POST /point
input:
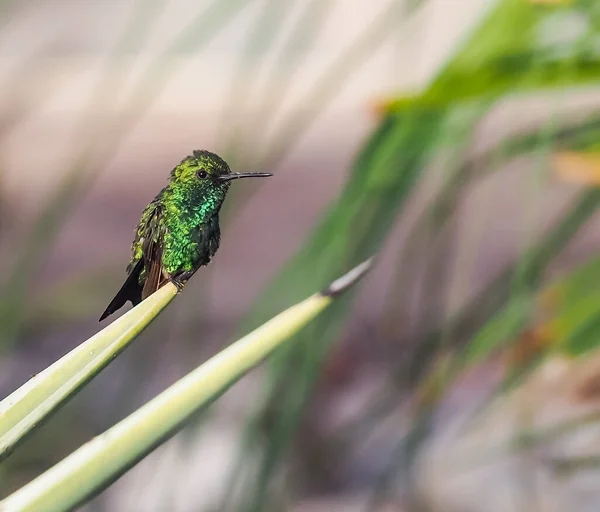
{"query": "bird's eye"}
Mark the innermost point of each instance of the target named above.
(202, 174)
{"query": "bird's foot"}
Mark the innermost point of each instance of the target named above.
(179, 284)
(180, 280)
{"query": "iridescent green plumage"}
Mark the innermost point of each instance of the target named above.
(179, 230)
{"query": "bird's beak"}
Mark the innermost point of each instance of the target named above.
(238, 175)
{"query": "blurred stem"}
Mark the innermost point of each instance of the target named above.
(535, 438)
(490, 161)
(18, 103)
(435, 220)
(426, 243)
(307, 110)
(497, 292)
(289, 63)
(244, 77)
(398, 463)
(329, 83)
(566, 466)
(199, 32)
(476, 313)
(441, 210)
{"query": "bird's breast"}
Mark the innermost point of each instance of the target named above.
(190, 244)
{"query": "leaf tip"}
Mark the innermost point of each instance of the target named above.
(341, 284)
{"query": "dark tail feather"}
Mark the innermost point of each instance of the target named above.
(131, 290)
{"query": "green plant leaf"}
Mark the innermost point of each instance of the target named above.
(26, 407)
(519, 46)
(572, 305)
(98, 463)
(501, 328)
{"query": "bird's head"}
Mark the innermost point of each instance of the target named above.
(205, 175)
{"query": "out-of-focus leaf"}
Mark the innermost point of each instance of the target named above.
(289, 62)
(552, 2)
(498, 295)
(242, 85)
(520, 46)
(434, 385)
(501, 328)
(323, 90)
(526, 349)
(577, 329)
(356, 224)
(72, 300)
(580, 282)
(572, 310)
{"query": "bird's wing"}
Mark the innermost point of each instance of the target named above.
(145, 266)
(152, 249)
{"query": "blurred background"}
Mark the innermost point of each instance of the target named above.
(457, 140)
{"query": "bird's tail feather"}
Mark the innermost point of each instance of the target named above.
(131, 290)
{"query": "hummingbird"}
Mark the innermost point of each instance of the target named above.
(179, 230)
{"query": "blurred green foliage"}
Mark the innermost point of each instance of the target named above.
(506, 54)
(521, 46)
(518, 49)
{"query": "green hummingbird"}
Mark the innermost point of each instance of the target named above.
(179, 230)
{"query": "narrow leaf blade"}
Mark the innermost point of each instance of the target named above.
(101, 461)
(26, 407)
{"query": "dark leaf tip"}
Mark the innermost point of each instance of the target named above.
(340, 285)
